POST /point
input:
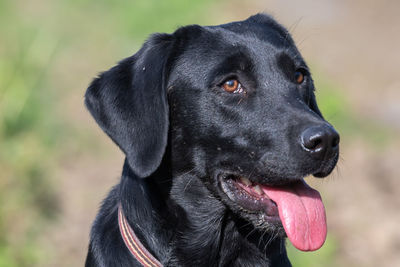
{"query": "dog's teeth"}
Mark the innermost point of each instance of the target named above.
(245, 181)
(258, 190)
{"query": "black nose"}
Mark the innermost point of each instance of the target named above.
(320, 141)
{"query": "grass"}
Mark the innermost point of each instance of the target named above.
(27, 136)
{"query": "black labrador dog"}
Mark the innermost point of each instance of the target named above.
(219, 126)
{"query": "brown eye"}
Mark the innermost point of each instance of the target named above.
(232, 86)
(299, 77)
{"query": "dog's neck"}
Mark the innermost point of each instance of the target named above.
(146, 211)
(182, 224)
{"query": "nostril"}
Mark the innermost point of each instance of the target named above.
(313, 142)
(312, 139)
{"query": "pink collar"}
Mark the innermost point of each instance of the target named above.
(133, 243)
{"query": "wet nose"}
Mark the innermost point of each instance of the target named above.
(320, 141)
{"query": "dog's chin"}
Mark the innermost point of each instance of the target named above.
(327, 167)
(247, 200)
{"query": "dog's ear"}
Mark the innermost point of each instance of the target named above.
(129, 103)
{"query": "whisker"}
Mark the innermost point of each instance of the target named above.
(261, 239)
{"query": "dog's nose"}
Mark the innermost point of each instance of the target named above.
(320, 141)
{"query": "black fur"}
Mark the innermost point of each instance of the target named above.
(181, 132)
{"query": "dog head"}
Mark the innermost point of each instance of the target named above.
(236, 105)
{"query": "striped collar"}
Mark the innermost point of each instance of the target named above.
(133, 243)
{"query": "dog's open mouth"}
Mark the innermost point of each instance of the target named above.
(296, 205)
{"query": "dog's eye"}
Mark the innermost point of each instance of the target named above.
(299, 76)
(232, 86)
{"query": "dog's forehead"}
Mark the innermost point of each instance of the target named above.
(260, 38)
(250, 35)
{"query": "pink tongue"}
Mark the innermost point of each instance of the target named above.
(302, 214)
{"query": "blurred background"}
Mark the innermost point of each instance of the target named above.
(56, 165)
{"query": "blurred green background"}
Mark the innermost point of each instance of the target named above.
(56, 165)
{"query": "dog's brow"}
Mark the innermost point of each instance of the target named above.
(239, 61)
